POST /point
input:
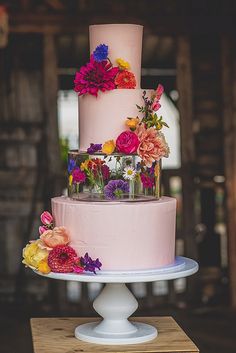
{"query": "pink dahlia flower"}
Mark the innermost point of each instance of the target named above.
(95, 76)
(153, 145)
(127, 142)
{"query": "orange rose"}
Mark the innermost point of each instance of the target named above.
(54, 237)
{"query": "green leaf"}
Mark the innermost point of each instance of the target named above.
(163, 123)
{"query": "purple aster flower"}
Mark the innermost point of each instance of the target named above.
(100, 53)
(115, 189)
(89, 264)
(94, 147)
(71, 165)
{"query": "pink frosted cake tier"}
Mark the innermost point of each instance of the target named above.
(125, 236)
(103, 118)
(123, 40)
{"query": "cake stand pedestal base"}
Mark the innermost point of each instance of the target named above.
(115, 304)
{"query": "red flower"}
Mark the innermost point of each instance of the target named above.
(127, 142)
(95, 76)
(125, 79)
(105, 172)
(62, 259)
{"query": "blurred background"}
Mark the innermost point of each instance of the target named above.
(188, 46)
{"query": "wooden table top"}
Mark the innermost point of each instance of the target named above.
(56, 335)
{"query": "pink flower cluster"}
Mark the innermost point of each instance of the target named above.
(51, 236)
(61, 256)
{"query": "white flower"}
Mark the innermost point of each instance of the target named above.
(129, 173)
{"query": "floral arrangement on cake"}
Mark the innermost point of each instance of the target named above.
(143, 137)
(52, 251)
(99, 74)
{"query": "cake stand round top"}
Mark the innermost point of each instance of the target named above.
(182, 267)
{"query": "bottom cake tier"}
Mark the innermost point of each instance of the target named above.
(124, 236)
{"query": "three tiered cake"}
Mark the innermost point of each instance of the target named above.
(129, 231)
(114, 210)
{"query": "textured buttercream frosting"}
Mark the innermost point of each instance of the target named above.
(124, 235)
(103, 118)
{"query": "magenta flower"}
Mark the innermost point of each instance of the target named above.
(95, 76)
(147, 181)
(78, 175)
(46, 218)
(127, 142)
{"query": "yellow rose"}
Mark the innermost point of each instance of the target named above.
(132, 122)
(109, 147)
(43, 267)
(84, 165)
(33, 255)
(123, 65)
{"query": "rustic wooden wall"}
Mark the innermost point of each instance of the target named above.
(30, 158)
(228, 70)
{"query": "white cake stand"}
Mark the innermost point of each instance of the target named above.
(116, 303)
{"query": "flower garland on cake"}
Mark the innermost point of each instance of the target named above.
(100, 75)
(52, 251)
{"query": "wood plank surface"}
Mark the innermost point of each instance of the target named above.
(56, 335)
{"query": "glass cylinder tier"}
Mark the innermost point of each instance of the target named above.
(115, 177)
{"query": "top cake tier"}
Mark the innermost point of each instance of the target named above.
(123, 40)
